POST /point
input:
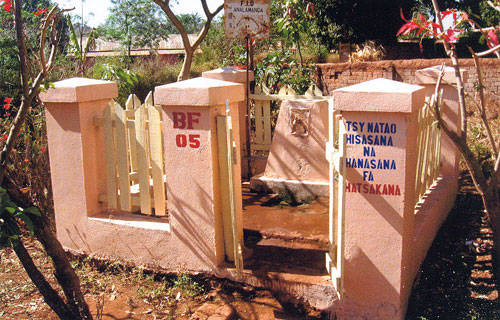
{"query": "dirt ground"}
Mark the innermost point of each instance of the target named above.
(456, 281)
(114, 292)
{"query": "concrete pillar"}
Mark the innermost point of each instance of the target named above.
(381, 120)
(238, 76)
(76, 153)
(450, 109)
(190, 109)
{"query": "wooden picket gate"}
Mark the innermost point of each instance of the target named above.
(134, 157)
(227, 161)
(335, 154)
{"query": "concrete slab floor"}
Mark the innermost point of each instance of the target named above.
(282, 238)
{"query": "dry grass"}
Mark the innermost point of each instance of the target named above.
(368, 51)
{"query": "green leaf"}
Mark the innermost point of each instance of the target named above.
(74, 40)
(11, 210)
(33, 211)
(27, 221)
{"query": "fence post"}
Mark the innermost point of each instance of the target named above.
(237, 76)
(450, 111)
(381, 122)
(76, 153)
(189, 111)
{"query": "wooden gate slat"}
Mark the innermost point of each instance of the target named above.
(132, 103)
(157, 170)
(143, 160)
(110, 156)
(123, 163)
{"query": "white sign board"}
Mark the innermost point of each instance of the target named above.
(247, 18)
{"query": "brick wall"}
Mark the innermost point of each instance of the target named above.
(331, 76)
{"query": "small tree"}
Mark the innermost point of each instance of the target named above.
(136, 23)
(485, 182)
(188, 47)
(34, 70)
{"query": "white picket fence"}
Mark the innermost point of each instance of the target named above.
(134, 157)
(429, 152)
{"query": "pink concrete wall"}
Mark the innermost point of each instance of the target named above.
(237, 76)
(379, 201)
(191, 240)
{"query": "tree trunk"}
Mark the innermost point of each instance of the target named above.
(64, 273)
(50, 296)
(186, 65)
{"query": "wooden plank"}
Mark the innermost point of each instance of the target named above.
(123, 163)
(143, 160)
(110, 156)
(341, 208)
(224, 185)
(259, 129)
(266, 108)
(149, 99)
(418, 176)
(157, 163)
(132, 103)
(231, 162)
(313, 91)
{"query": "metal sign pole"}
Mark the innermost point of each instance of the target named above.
(247, 94)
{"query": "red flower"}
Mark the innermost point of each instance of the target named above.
(492, 39)
(6, 106)
(409, 26)
(7, 5)
(43, 149)
(40, 11)
(7, 100)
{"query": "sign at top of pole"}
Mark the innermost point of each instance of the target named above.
(247, 19)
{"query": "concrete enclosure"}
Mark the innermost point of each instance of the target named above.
(192, 238)
(386, 232)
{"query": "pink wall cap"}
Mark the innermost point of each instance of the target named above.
(80, 90)
(380, 95)
(199, 92)
(229, 74)
(431, 74)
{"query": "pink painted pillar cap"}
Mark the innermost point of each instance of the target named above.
(229, 74)
(431, 74)
(393, 96)
(200, 92)
(80, 90)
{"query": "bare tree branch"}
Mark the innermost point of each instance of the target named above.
(188, 47)
(483, 104)
(460, 88)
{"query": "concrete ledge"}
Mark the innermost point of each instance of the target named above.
(300, 191)
(318, 291)
(199, 92)
(80, 90)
